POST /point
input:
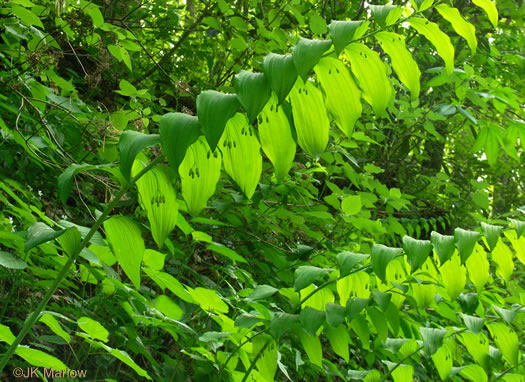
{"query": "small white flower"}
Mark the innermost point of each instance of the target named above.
(11, 219)
(40, 193)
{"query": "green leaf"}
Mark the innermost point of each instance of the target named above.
(462, 27)
(214, 109)
(382, 299)
(402, 372)
(474, 324)
(478, 267)
(339, 340)
(282, 323)
(421, 5)
(347, 260)
(490, 9)
(417, 251)
(253, 92)
(39, 358)
(125, 240)
(26, 16)
(502, 256)
(310, 118)
(168, 307)
(443, 245)
(154, 259)
(7, 336)
(165, 280)
(475, 373)
(432, 339)
(442, 359)
(9, 261)
(519, 226)
(354, 306)
(335, 314)
(96, 16)
(126, 88)
(507, 315)
(402, 62)
(440, 40)
(208, 300)
(130, 144)
(478, 347)
(371, 73)
(281, 73)
(312, 346)
(93, 328)
(178, 132)
(355, 284)
(262, 292)
(342, 96)
(454, 276)
(158, 198)
(53, 324)
(226, 252)
(276, 137)
(465, 242)
(343, 33)
(492, 233)
(386, 15)
(65, 180)
(199, 172)
(306, 275)
(351, 204)
(317, 24)
(381, 256)
(311, 320)
(241, 158)
(125, 358)
(307, 53)
(70, 240)
(39, 233)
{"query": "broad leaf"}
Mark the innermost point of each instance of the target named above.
(39, 233)
(343, 33)
(478, 346)
(276, 137)
(131, 143)
(209, 300)
(474, 324)
(9, 261)
(65, 180)
(262, 292)
(93, 328)
(312, 346)
(253, 92)
(417, 251)
(442, 359)
(125, 240)
(454, 276)
(443, 245)
(310, 118)
(474, 373)
(347, 260)
(502, 256)
(307, 53)
(462, 27)
(70, 240)
(507, 341)
(166, 281)
(306, 275)
(214, 109)
(371, 73)
(440, 40)
(283, 322)
(40, 359)
(492, 233)
(465, 242)
(381, 256)
(402, 62)
(519, 226)
(311, 320)
(490, 9)
(354, 285)
(339, 340)
(241, 155)
(157, 197)
(386, 15)
(342, 96)
(199, 173)
(53, 324)
(432, 339)
(335, 314)
(281, 73)
(178, 131)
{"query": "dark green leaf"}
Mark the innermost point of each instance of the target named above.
(354, 306)
(417, 251)
(261, 292)
(347, 260)
(40, 233)
(443, 245)
(335, 314)
(311, 320)
(253, 92)
(177, 132)
(131, 143)
(282, 323)
(343, 33)
(281, 73)
(474, 324)
(9, 261)
(492, 233)
(307, 53)
(305, 275)
(381, 257)
(432, 339)
(465, 242)
(382, 299)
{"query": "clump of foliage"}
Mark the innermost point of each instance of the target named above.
(316, 201)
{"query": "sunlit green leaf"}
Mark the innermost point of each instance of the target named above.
(462, 27)
(371, 73)
(440, 40)
(94, 328)
(490, 9)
